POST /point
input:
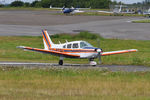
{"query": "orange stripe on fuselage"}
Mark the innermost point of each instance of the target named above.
(72, 50)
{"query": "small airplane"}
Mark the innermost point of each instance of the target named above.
(71, 10)
(147, 12)
(118, 11)
(74, 49)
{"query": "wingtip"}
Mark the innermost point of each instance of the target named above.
(20, 47)
(134, 50)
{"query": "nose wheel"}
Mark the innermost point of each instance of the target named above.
(92, 62)
(60, 62)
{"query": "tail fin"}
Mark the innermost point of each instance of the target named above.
(120, 9)
(48, 44)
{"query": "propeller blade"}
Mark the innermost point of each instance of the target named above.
(99, 50)
(99, 55)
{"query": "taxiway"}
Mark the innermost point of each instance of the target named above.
(113, 68)
(25, 23)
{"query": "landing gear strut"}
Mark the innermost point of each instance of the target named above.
(92, 62)
(60, 62)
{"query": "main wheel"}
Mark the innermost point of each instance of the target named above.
(60, 62)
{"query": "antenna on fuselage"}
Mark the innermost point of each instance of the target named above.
(66, 41)
(59, 42)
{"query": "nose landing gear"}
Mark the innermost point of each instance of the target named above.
(92, 62)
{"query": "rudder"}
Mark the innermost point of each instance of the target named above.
(46, 40)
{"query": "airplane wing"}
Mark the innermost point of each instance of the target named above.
(78, 11)
(106, 12)
(56, 8)
(52, 52)
(84, 8)
(118, 52)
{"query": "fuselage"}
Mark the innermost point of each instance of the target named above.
(81, 48)
(67, 10)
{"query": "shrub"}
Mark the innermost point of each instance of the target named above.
(27, 4)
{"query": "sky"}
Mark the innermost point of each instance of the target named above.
(124, 1)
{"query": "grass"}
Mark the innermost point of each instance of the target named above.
(100, 14)
(9, 52)
(72, 84)
(105, 14)
(141, 21)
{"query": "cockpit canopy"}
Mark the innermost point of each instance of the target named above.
(85, 44)
(77, 45)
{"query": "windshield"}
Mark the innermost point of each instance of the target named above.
(85, 44)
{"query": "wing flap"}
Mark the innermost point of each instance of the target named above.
(52, 52)
(118, 52)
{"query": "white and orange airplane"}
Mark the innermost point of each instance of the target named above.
(74, 49)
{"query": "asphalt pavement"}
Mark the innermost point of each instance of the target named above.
(113, 68)
(24, 23)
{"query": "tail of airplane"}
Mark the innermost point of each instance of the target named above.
(48, 44)
(63, 8)
(120, 9)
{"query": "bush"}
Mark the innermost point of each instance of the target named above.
(38, 5)
(81, 35)
(87, 35)
(27, 4)
(1, 5)
(17, 4)
(35, 4)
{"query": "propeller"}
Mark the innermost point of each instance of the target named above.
(99, 51)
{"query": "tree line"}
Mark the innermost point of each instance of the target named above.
(67, 3)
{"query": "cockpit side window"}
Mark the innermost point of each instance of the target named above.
(82, 44)
(75, 45)
(64, 46)
(69, 45)
(85, 44)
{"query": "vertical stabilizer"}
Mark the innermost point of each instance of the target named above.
(48, 44)
(120, 9)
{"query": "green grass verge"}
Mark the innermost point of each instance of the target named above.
(141, 21)
(9, 52)
(100, 14)
(72, 84)
(105, 14)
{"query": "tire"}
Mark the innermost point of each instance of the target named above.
(60, 62)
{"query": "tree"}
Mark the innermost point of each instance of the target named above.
(17, 4)
(76, 3)
(27, 4)
(35, 3)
